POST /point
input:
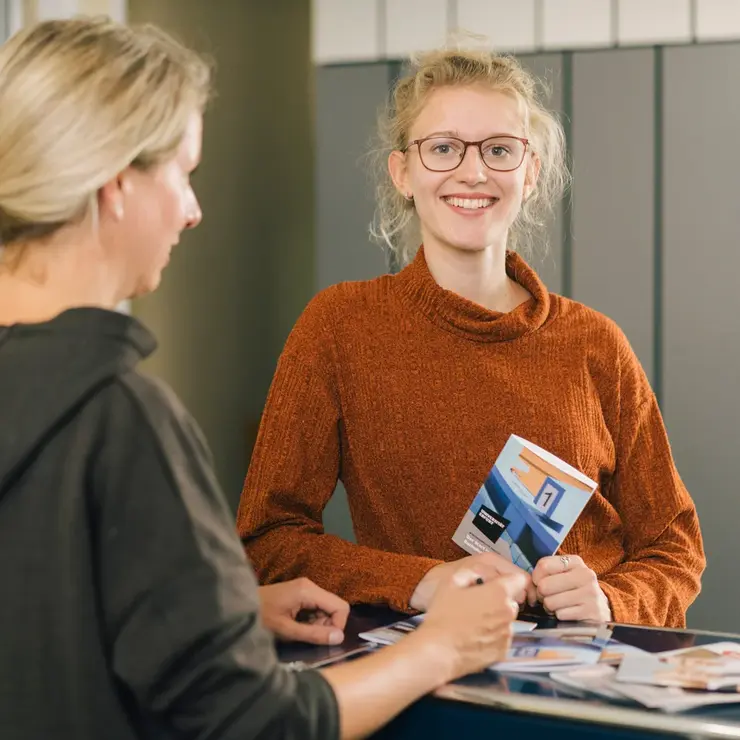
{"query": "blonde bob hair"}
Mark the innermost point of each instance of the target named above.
(396, 224)
(80, 101)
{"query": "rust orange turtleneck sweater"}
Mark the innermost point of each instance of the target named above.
(408, 392)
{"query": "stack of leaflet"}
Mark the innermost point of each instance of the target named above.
(531, 651)
(585, 657)
(536, 652)
(392, 633)
(612, 651)
(714, 667)
(671, 681)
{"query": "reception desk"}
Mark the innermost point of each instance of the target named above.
(489, 705)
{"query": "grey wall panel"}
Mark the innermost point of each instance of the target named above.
(702, 304)
(613, 188)
(237, 283)
(4, 20)
(549, 263)
(347, 103)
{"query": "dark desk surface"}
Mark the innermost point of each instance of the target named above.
(535, 704)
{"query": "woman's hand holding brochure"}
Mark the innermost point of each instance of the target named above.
(570, 590)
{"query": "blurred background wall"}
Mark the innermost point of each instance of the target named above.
(649, 94)
(240, 280)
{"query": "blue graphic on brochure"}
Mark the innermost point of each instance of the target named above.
(526, 506)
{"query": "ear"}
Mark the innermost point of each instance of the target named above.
(531, 176)
(112, 196)
(399, 172)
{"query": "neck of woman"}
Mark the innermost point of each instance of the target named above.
(40, 281)
(477, 275)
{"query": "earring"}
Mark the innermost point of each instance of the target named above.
(409, 197)
(119, 211)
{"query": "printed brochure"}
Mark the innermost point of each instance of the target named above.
(526, 506)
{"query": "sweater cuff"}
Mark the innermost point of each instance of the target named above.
(400, 595)
(620, 612)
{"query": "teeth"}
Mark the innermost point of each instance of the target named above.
(470, 203)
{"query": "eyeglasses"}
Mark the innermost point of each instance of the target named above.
(445, 153)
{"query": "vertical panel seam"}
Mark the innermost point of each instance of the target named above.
(658, 226)
(567, 236)
(539, 39)
(30, 12)
(452, 16)
(381, 40)
(394, 72)
(614, 29)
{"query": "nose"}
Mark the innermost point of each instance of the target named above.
(472, 169)
(194, 215)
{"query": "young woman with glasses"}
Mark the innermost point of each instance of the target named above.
(407, 387)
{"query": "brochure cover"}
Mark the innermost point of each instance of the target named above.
(392, 633)
(601, 680)
(713, 667)
(526, 506)
(613, 651)
(529, 652)
(594, 679)
(673, 698)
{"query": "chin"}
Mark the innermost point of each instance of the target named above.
(470, 246)
(481, 241)
(147, 285)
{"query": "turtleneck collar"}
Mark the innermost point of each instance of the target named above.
(458, 315)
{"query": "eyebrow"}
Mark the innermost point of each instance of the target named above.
(443, 133)
(457, 135)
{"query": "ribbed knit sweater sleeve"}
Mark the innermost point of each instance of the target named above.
(294, 470)
(664, 555)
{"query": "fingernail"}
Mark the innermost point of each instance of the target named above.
(336, 637)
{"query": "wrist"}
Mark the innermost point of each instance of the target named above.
(424, 591)
(433, 654)
(606, 607)
(418, 601)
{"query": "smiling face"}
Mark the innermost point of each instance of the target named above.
(473, 206)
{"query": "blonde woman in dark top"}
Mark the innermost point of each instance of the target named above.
(129, 609)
